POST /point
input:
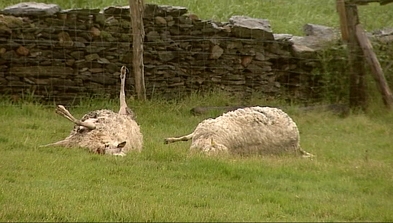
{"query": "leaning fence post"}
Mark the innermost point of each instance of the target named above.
(376, 68)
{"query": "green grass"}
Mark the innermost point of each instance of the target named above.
(286, 16)
(349, 180)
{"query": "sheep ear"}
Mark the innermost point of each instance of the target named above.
(121, 145)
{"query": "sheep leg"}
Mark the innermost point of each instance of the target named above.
(176, 139)
(305, 154)
(61, 110)
(59, 143)
(123, 105)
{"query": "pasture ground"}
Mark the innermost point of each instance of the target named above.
(349, 179)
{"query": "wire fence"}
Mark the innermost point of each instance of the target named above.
(76, 54)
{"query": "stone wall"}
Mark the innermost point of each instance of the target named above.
(61, 55)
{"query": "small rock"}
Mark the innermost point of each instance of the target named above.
(62, 16)
(259, 56)
(77, 55)
(171, 23)
(307, 44)
(302, 51)
(184, 20)
(227, 29)
(255, 69)
(246, 61)
(92, 57)
(96, 70)
(160, 20)
(94, 49)
(282, 37)
(152, 36)
(323, 32)
(152, 10)
(22, 51)
(70, 62)
(166, 56)
(100, 19)
(5, 30)
(193, 17)
(95, 31)
(247, 27)
(117, 10)
(8, 55)
(80, 11)
(79, 45)
(65, 39)
(103, 61)
(31, 9)
(216, 52)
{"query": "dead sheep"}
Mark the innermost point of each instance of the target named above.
(250, 130)
(104, 131)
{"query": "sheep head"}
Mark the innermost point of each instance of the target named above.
(111, 148)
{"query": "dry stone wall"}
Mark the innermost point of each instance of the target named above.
(60, 55)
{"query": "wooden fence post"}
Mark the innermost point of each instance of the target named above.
(357, 88)
(340, 7)
(359, 47)
(138, 35)
(376, 69)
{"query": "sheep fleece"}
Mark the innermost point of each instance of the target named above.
(110, 126)
(252, 130)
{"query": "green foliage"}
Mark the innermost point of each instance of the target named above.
(330, 80)
(384, 52)
(349, 180)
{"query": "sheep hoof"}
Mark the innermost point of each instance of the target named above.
(309, 155)
(119, 154)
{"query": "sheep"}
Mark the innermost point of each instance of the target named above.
(104, 131)
(250, 130)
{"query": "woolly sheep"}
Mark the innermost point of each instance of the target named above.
(104, 131)
(251, 130)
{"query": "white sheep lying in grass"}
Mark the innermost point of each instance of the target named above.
(104, 131)
(252, 130)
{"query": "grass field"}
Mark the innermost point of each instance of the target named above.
(286, 16)
(349, 180)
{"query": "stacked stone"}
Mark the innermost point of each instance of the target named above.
(62, 55)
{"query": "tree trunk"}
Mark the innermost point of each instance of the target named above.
(138, 35)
